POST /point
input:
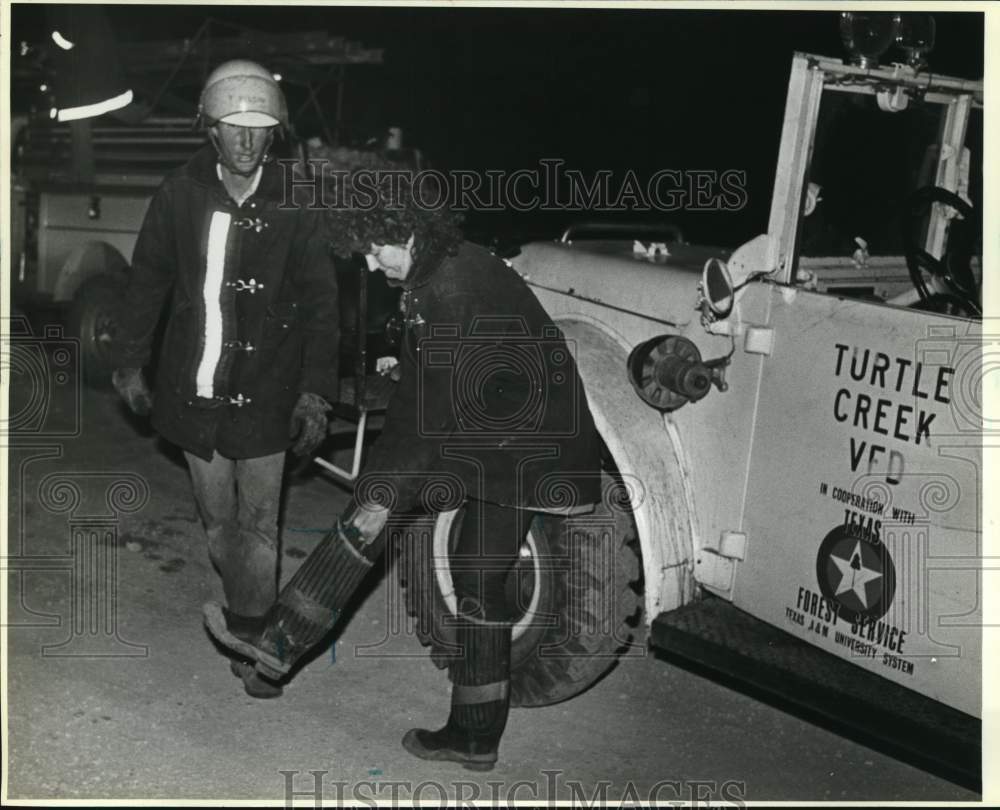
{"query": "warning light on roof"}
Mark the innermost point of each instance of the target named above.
(866, 36)
(915, 37)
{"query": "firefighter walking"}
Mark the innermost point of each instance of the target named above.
(249, 354)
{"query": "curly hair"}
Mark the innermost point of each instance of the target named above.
(386, 207)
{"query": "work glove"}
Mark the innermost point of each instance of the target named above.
(130, 385)
(388, 367)
(308, 423)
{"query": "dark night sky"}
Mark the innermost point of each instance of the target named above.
(610, 88)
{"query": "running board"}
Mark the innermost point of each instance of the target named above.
(907, 725)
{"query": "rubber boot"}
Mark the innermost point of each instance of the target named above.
(307, 607)
(480, 699)
(249, 628)
(255, 684)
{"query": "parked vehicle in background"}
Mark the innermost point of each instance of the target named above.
(79, 194)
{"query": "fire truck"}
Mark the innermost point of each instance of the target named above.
(794, 434)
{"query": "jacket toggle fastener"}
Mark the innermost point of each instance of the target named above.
(240, 346)
(239, 400)
(255, 224)
(250, 286)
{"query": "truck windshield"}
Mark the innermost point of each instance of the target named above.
(867, 163)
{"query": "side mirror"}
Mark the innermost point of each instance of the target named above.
(717, 288)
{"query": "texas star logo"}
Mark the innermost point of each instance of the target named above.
(857, 573)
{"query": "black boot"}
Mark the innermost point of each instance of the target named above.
(480, 698)
(307, 607)
(250, 628)
(254, 684)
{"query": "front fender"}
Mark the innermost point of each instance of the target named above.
(645, 455)
(85, 262)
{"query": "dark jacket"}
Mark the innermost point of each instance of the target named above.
(252, 320)
(489, 404)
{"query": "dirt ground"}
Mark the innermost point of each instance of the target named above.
(114, 690)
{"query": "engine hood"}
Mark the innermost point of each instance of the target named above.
(609, 272)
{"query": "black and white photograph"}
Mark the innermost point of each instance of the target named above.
(479, 404)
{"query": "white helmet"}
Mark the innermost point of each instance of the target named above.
(243, 93)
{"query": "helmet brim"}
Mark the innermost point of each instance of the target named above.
(250, 118)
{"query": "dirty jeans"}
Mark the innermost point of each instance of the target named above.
(238, 501)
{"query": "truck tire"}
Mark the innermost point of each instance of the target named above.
(577, 588)
(93, 319)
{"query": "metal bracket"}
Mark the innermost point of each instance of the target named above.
(759, 340)
(714, 571)
(730, 543)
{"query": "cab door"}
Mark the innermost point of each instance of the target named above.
(863, 503)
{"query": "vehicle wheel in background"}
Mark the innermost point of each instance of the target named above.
(93, 319)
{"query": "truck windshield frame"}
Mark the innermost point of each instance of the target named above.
(813, 80)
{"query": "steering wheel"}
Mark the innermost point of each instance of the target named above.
(961, 293)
